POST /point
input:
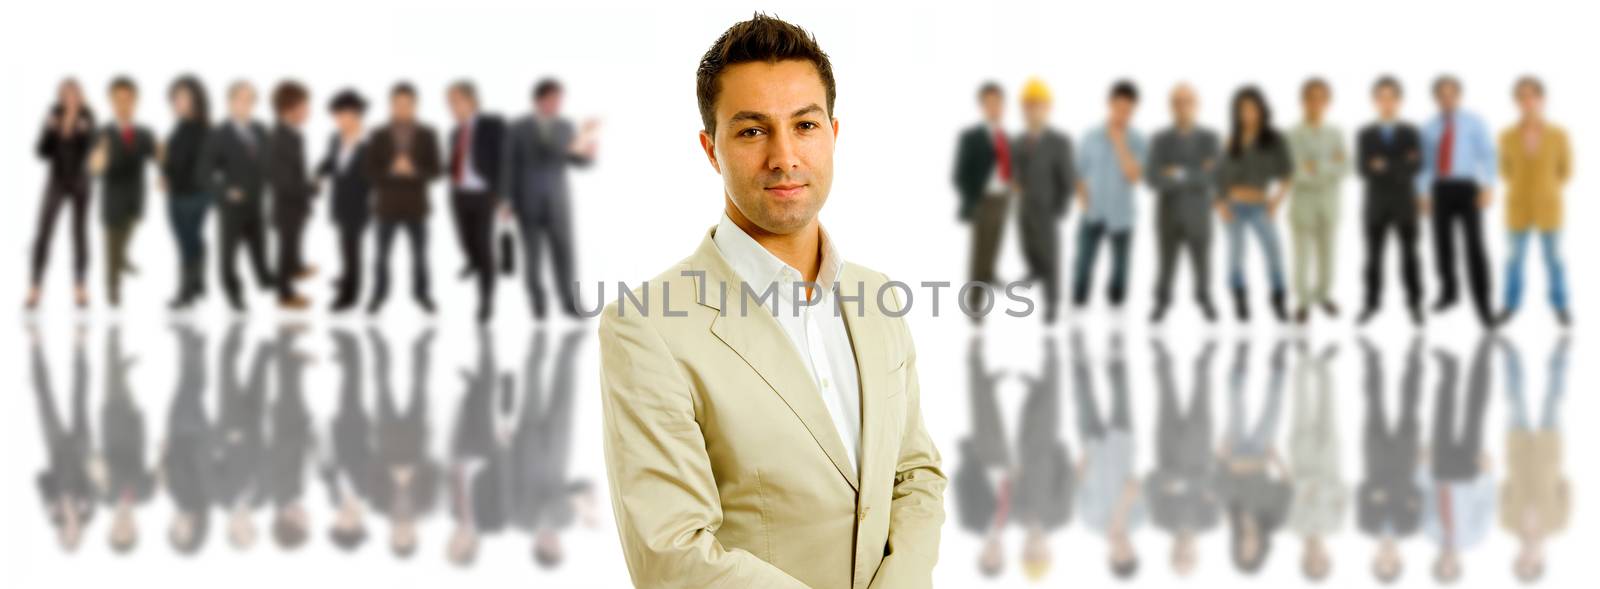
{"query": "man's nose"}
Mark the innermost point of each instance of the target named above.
(781, 154)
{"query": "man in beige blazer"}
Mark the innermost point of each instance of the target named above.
(763, 423)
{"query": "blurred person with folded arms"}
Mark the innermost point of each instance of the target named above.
(476, 145)
(67, 487)
(1045, 179)
(349, 201)
(1536, 161)
(1318, 505)
(539, 149)
(1389, 157)
(1181, 170)
(237, 156)
(121, 155)
(292, 189)
(774, 450)
(1252, 180)
(1110, 165)
(1182, 489)
(64, 144)
(1457, 179)
(188, 200)
(402, 160)
(1389, 497)
(1321, 164)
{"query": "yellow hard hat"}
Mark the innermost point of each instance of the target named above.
(1035, 91)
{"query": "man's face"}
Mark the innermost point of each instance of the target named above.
(1448, 96)
(297, 114)
(241, 102)
(993, 105)
(348, 121)
(1388, 102)
(548, 105)
(1037, 112)
(1184, 104)
(403, 107)
(1121, 111)
(773, 143)
(1529, 100)
(1316, 102)
(461, 107)
(122, 102)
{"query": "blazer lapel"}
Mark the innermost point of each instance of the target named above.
(867, 345)
(761, 342)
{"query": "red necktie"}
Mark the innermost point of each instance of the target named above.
(458, 163)
(1447, 142)
(1003, 506)
(1447, 522)
(1002, 156)
(127, 136)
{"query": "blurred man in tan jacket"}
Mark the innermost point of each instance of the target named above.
(780, 443)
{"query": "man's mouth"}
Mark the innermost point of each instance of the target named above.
(785, 190)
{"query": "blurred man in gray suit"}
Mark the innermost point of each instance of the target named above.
(1045, 178)
(538, 150)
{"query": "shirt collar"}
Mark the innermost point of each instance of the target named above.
(758, 267)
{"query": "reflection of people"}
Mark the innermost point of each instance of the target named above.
(1109, 499)
(538, 151)
(546, 500)
(289, 444)
(347, 461)
(983, 180)
(1182, 162)
(64, 144)
(1320, 164)
(475, 193)
(236, 171)
(121, 154)
(188, 470)
(130, 479)
(182, 174)
(1536, 161)
(1388, 500)
(1045, 475)
(240, 434)
(1318, 506)
(1182, 488)
(349, 201)
(1252, 478)
(402, 159)
(1388, 155)
(1459, 492)
(1110, 164)
(404, 476)
(65, 485)
(1458, 169)
(1251, 182)
(775, 450)
(982, 484)
(1536, 499)
(477, 480)
(1046, 179)
(292, 189)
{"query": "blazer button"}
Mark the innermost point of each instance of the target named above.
(861, 516)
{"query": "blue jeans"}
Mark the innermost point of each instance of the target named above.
(188, 215)
(1555, 270)
(1253, 217)
(1556, 381)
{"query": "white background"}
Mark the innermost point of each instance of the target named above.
(906, 75)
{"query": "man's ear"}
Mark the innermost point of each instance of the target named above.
(835, 129)
(710, 147)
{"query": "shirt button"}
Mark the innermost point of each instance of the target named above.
(861, 516)
(825, 383)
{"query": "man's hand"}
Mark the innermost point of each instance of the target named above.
(1224, 212)
(1378, 164)
(1425, 205)
(235, 195)
(1485, 197)
(402, 166)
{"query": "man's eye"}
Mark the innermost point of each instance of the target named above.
(751, 132)
(808, 125)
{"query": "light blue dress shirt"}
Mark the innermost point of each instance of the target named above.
(1471, 156)
(1110, 192)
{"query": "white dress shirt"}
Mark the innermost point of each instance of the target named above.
(818, 333)
(470, 180)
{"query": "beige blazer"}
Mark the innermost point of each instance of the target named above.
(725, 468)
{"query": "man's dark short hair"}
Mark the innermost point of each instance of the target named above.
(124, 83)
(1387, 81)
(1125, 570)
(545, 87)
(287, 95)
(403, 88)
(1315, 83)
(990, 87)
(1527, 82)
(1446, 80)
(348, 540)
(347, 101)
(762, 38)
(1126, 90)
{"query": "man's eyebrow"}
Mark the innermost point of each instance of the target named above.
(807, 110)
(746, 115)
